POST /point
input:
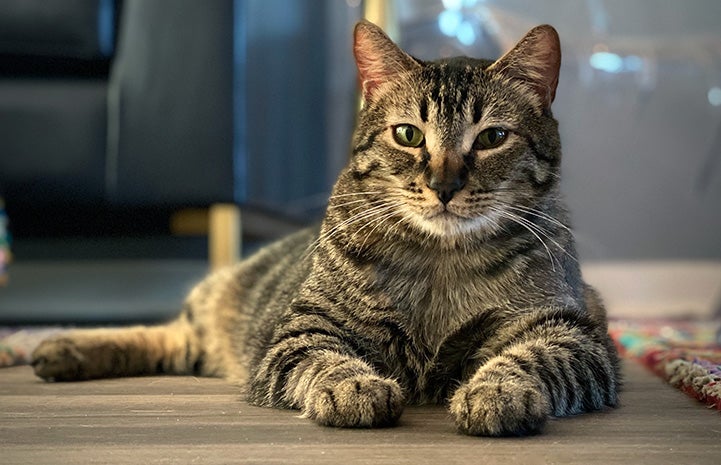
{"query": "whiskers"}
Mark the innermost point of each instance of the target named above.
(538, 214)
(364, 219)
(544, 236)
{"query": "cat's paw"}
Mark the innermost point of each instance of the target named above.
(492, 408)
(361, 401)
(60, 359)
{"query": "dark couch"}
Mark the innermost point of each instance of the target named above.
(113, 114)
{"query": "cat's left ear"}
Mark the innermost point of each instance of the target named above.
(377, 57)
(536, 60)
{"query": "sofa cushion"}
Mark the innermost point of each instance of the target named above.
(52, 141)
(82, 29)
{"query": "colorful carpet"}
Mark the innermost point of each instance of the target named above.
(17, 344)
(685, 353)
(5, 255)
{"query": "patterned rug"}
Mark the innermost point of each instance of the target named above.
(685, 353)
(5, 255)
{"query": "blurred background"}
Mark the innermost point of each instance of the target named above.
(124, 122)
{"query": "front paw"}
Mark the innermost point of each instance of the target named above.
(360, 401)
(492, 408)
(59, 359)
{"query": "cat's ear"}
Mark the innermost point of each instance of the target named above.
(377, 57)
(536, 60)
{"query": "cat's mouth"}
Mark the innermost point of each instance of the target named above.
(448, 212)
(446, 221)
(446, 215)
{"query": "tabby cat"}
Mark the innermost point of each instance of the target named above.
(444, 270)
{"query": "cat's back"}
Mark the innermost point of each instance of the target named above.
(265, 282)
(283, 264)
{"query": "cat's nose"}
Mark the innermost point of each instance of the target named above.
(446, 188)
(446, 174)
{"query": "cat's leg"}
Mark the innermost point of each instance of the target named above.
(100, 353)
(312, 367)
(552, 363)
(336, 389)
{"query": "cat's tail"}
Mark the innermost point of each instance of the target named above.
(134, 351)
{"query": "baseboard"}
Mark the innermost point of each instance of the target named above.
(658, 288)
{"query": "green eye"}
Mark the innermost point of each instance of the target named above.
(408, 135)
(490, 138)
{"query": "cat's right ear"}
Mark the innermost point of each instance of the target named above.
(536, 61)
(377, 57)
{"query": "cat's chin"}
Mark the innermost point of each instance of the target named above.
(449, 225)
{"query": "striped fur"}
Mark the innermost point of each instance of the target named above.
(471, 297)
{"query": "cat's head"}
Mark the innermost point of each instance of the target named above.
(452, 147)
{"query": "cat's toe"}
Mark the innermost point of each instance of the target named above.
(361, 401)
(499, 409)
(58, 359)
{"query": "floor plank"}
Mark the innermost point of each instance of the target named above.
(189, 420)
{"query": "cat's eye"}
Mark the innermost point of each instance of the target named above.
(490, 138)
(408, 135)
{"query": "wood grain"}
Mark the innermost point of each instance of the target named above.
(189, 420)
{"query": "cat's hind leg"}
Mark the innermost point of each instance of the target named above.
(199, 342)
(134, 351)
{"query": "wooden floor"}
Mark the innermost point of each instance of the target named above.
(186, 420)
